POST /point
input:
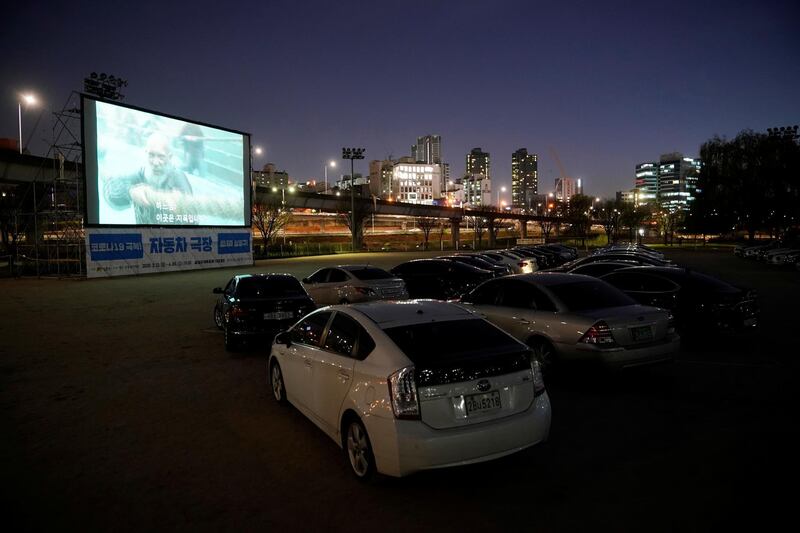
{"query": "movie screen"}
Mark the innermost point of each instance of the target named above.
(148, 169)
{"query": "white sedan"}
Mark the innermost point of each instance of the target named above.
(353, 283)
(409, 386)
(570, 317)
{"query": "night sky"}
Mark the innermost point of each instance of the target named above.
(606, 84)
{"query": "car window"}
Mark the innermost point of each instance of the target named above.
(319, 276)
(438, 343)
(517, 294)
(485, 294)
(337, 276)
(370, 273)
(542, 301)
(229, 288)
(269, 287)
(342, 335)
(596, 294)
(310, 330)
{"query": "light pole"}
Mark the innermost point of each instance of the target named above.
(503, 189)
(283, 205)
(352, 154)
(29, 100)
(332, 164)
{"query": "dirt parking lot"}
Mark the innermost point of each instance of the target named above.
(121, 410)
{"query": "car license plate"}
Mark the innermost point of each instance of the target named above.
(643, 333)
(479, 403)
(278, 315)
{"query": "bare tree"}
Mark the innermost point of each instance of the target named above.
(426, 224)
(609, 217)
(355, 223)
(269, 218)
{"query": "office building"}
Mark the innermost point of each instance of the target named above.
(270, 177)
(647, 182)
(477, 190)
(677, 181)
(566, 188)
(428, 150)
(524, 179)
(416, 183)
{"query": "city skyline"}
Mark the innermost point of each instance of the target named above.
(306, 79)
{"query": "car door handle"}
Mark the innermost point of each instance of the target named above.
(343, 375)
(307, 362)
(522, 320)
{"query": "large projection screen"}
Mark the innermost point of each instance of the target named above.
(149, 169)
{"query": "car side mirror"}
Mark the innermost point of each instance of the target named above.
(217, 290)
(284, 337)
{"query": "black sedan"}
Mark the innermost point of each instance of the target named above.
(699, 302)
(260, 305)
(440, 279)
(483, 264)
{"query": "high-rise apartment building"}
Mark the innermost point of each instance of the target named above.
(428, 150)
(478, 163)
(566, 188)
(524, 179)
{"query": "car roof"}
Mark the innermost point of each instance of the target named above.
(350, 268)
(388, 314)
(551, 278)
(265, 276)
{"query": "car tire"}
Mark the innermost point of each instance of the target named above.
(276, 381)
(544, 352)
(219, 318)
(231, 343)
(358, 450)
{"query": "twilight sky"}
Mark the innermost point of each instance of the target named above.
(606, 84)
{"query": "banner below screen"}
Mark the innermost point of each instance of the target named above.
(134, 251)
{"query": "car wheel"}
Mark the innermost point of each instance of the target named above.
(231, 343)
(358, 450)
(276, 380)
(219, 320)
(544, 352)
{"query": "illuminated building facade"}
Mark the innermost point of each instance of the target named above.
(416, 183)
(524, 179)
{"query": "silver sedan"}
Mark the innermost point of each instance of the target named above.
(569, 317)
(353, 283)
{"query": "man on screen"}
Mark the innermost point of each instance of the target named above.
(159, 192)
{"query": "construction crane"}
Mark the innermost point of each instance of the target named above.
(563, 176)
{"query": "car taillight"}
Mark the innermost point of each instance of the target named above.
(237, 312)
(599, 334)
(403, 392)
(538, 378)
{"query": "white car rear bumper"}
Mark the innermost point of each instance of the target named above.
(405, 446)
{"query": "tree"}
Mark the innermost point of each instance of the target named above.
(426, 224)
(609, 217)
(633, 216)
(363, 209)
(749, 183)
(578, 214)
(546, 225)
(269, 218)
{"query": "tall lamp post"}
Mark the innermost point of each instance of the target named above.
(29, 100)
(352, 154)
(503, 189)
(331, 164)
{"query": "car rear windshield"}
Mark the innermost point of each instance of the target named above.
(278, 287)
(584, 295)
(441, 343)
(369, 274)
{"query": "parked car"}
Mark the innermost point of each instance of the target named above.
(569, 317)
(782, 256)
(439, 279)
(460, 390)
(258, 306)
(640, 259)
(526, 264)
(494, 259)
(496, 270)
(600, 268)
(353, 283)
(700, 303)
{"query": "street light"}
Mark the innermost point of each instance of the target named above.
(352, 154)
(29, 100)
(331, 164)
